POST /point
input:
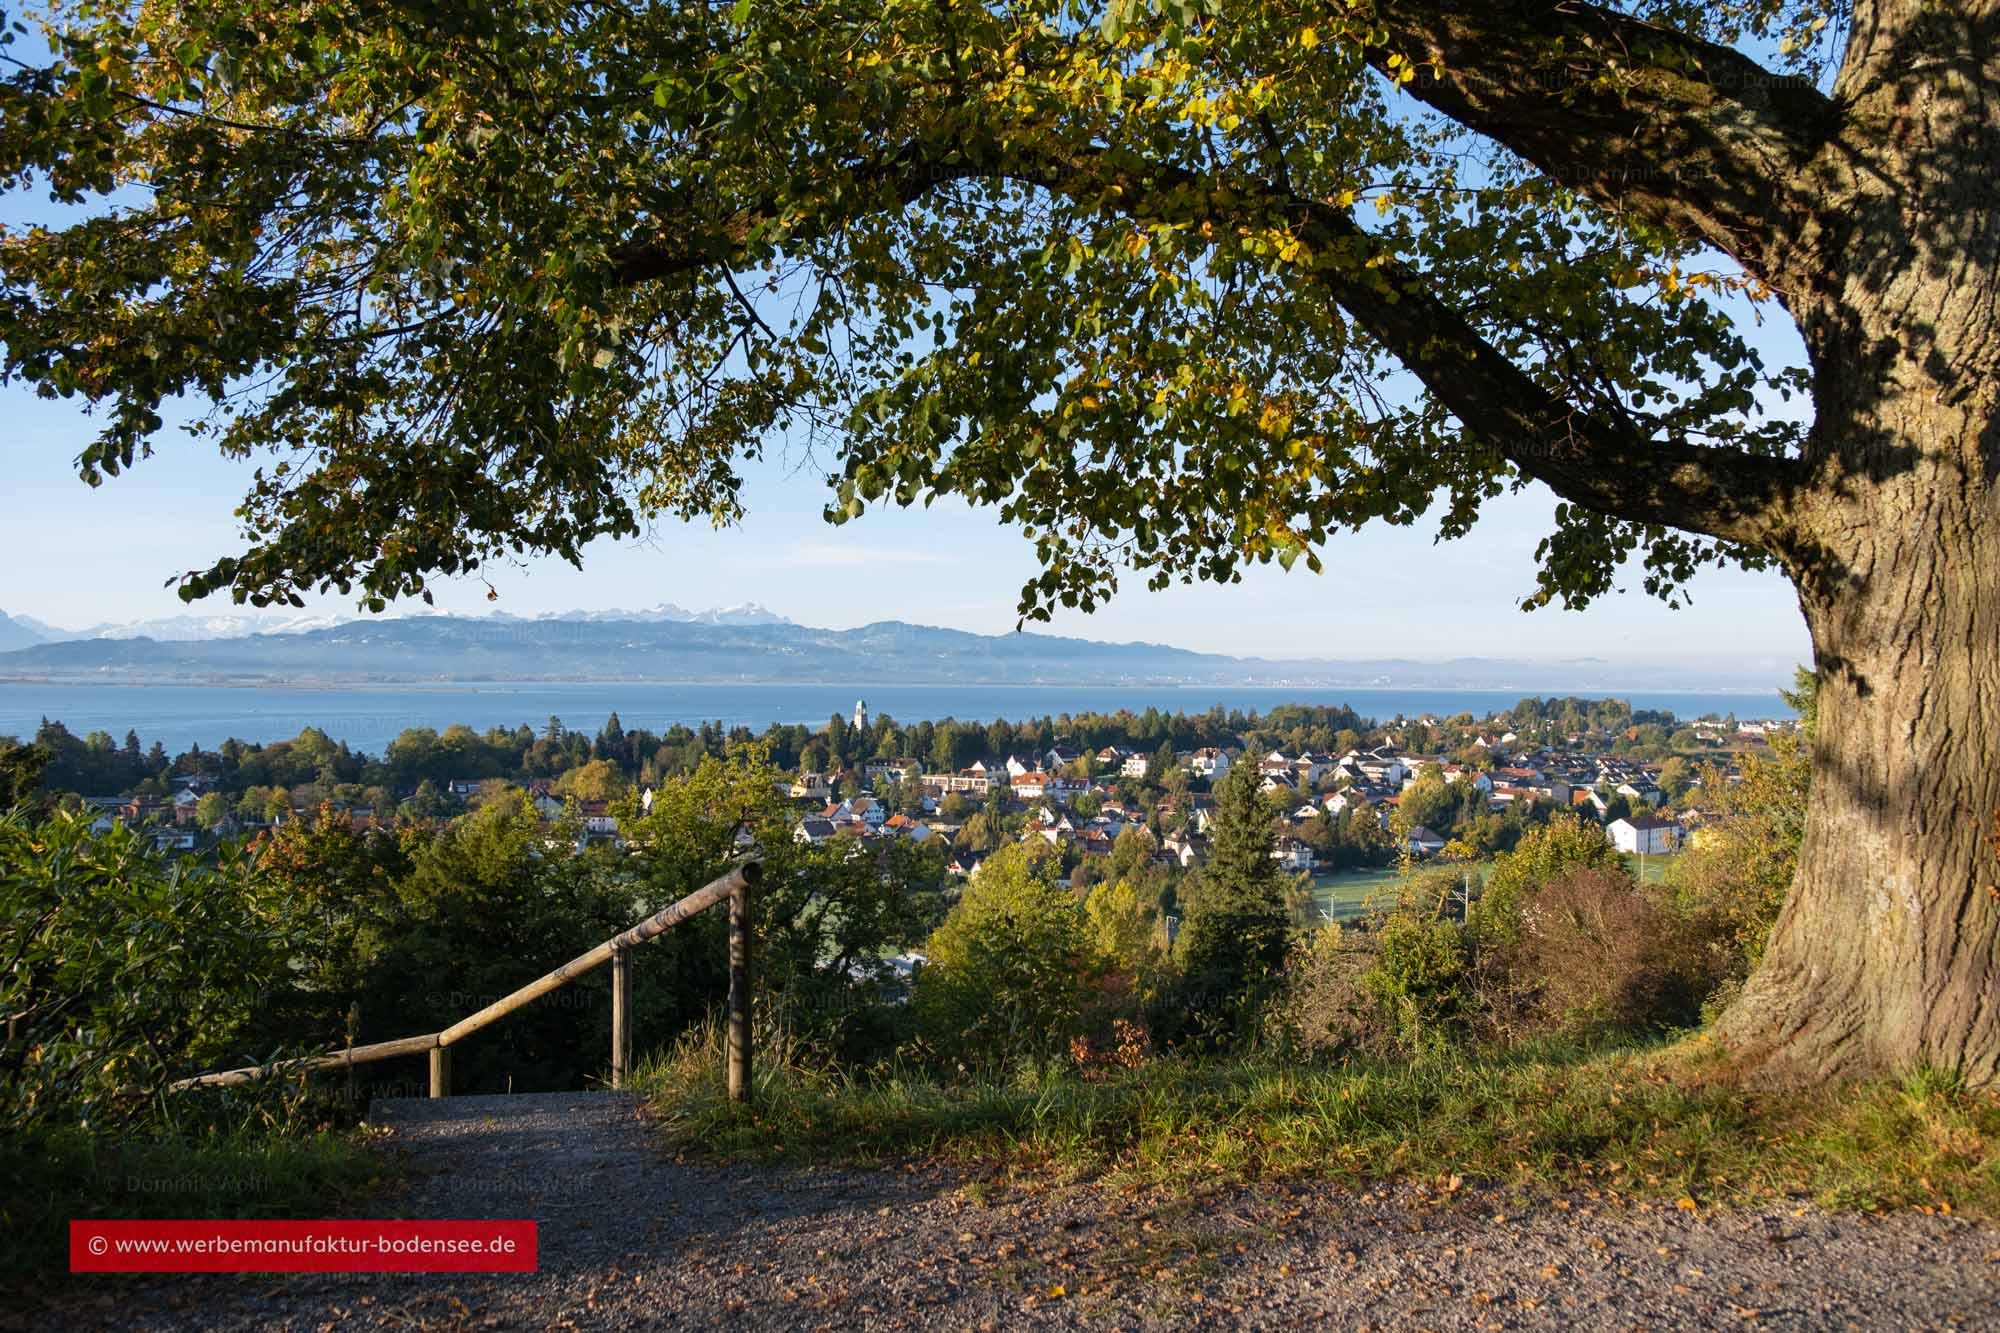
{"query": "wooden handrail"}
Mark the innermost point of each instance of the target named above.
(734, 886)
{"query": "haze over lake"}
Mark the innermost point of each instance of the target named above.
(369, 718)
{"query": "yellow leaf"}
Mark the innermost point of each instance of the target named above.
(1308, 38)
(1057, 1292)
(1685, 1205)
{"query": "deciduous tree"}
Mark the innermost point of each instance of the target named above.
(471, 282)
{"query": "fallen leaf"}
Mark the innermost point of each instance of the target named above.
(1686, 1205)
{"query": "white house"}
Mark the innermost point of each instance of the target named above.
(1135, 766)
(1644, 835)
(1636, 792)
(1293, 854)
(1423, 842)
(1209, 763)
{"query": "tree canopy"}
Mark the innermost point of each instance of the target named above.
(1176, 286)
(480, 281)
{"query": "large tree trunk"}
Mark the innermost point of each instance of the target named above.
(1887, 954)
(1889, 949)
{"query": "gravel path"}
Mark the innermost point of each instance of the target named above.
(629, 1237)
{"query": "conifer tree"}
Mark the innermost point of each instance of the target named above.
(1235, 935)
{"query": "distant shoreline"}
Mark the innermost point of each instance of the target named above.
(1597, 691)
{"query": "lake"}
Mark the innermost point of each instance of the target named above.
(369, 717)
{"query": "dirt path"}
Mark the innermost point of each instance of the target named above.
(631, 1238)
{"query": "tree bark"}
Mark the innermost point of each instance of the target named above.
(1887, 953)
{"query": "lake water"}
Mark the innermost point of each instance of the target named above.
(367, 718)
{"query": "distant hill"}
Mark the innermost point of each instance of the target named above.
(441, 648)
(18, 633)
(237, 625)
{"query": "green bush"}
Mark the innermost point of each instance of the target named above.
(125, 969)
(1567, 842)
(1420, 977)
(1012, 973)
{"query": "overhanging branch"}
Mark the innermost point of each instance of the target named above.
(1686, 133)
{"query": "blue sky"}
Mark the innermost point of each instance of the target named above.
(81, 556)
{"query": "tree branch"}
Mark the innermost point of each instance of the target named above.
(1612, 467)
(1683, 132)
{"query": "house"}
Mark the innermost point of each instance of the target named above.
(1031, 786)
(813, 830)
(1460, 773)
(1135, 766)
(1423, 842)
(1293, 854)
(1283, 781)
(1209, 762)
(965, 864)
(1378, 770)
(902, 826)
(1642, 791)
(812, 787)
(185, 801)
(1644, 835)
(1189, 849)
(896, 770)
(175, 839)
(1061, 755)
(1064, 791)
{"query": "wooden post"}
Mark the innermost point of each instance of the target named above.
(739, 992)
(440, 1071)
(621, 1015)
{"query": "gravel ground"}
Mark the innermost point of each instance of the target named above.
(629, 1237)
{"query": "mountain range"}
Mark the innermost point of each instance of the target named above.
(741, 645)
(24, 631)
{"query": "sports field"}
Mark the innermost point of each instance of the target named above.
(1355, 892)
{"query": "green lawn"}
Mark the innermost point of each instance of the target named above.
(1653, 869)
(1352, 893)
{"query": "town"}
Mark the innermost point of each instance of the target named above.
(1115, 796)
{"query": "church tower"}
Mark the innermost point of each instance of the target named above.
(861, 715)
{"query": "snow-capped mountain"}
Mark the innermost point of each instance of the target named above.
(749, 613)
(193, 628)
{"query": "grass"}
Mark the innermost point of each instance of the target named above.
(1351, 893)
(46, 1182)
(1634, 1122)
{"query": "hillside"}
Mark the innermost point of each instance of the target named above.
(718, 650)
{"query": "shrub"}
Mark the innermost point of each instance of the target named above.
(1420, 977)
(1012, 972)
(125, 969)
(1738, 866)
(1321, 1009)
(1565, 843)
(1597, 951)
